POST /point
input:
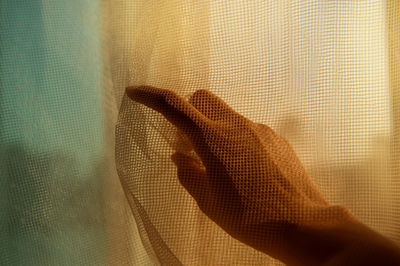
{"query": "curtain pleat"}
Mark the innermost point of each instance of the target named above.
(86, 176)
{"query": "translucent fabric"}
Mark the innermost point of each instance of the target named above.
(316, 72)
(86, 173)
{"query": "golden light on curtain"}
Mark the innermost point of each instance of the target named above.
(323, 74)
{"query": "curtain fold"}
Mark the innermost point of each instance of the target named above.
(314, 71)
(86, 176)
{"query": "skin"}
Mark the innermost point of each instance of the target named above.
(250, 182)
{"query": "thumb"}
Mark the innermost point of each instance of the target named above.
(192, 176)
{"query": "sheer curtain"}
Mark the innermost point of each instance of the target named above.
(321, 73)
(86, 175)
(52, 153)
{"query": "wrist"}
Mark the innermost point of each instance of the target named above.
(337, 237)
(311, 239)
(321, 234)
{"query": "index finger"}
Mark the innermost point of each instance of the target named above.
(173, 107)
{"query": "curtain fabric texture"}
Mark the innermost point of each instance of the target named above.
(52, 154)
(319, 73)
(86, 173)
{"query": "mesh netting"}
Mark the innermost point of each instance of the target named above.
(244, 122)
(310, 73)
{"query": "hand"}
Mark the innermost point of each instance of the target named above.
(249, 180)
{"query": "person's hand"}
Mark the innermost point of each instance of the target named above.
(249, 180)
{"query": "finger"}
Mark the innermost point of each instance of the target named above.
(178, 111)
(213, 107)
(192, 176)
(174, 108)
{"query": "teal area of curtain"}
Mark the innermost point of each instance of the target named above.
(51, 137)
